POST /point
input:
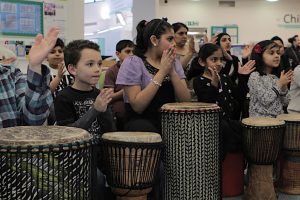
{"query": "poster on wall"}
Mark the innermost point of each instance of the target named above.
(21, 18)
(55, 14)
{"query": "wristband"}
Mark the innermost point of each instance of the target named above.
(156, 82)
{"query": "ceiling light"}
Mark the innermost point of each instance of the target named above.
(271, 0)
(88, 34)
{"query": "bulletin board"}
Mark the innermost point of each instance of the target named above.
(233, 31)
(21, 18)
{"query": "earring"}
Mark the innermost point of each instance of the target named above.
(154, 45)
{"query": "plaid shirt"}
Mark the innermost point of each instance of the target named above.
(24, 102)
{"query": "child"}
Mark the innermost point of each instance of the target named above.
(56, 62)
(152, 77)
(124, 48)
(57, 82)
(82, 105)
(268, 93)
(26, 101)
(214, 87)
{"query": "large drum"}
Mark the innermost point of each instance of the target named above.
(131, 161)
(262, 137)
(291, 140)
(290, 164)
(191, 158)
(45, 163)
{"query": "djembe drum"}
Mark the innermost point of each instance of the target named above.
(131, 161)
(290, 164)
(191, 157)
(262, 138)
(40, 162)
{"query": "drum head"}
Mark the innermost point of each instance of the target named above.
(135, 137)
(41, 135)
(289, 117)
(262, 121)
(195, 106)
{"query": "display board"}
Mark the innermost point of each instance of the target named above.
(21, 18)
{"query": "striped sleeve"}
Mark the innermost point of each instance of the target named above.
(38, 98)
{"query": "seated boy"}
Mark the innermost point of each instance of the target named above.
(59, 76)
(82, 105)
(124, 48)
(27, 102)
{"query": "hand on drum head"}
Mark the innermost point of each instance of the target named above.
(103, 99)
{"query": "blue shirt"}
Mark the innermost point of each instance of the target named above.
(24, 102)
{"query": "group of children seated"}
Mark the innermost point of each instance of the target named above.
(148, 74)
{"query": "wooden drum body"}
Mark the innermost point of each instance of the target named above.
(290, 166)
(191, 157)
(262, 137)
(131, 161)
(45, 163)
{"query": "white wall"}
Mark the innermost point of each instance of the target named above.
(257, 19)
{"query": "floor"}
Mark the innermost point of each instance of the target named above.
(281, 196)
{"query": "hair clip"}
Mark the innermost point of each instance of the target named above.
(257, 49)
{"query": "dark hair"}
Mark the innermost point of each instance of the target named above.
(219, 36)
(122, 44)
(176, 26)
(257, 54)
(207, 50)
(204, 52)
(73, 50)
(156, 27)
(59, 43)
(292, 39)
(277, 38)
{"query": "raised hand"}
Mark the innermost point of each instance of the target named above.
(103, 99)
(214, 39)
(215, 78)
(41, 48)
(226, 54)
(7, 61)
(61, 70)
(285, 79)
(191, 44)
(247, 68)
(167, 61)
(246, 52)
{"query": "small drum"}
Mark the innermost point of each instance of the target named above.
(262, 137)
(290, 166)
(43, 162)
(291, 140)
(191, 158)
(131, 161)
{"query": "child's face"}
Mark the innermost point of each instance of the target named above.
(271, 57)
(215, 61)
(225, 43)
(166, 41)
(55, 57)
(127, 51)
(87, 70)
(181, 36)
